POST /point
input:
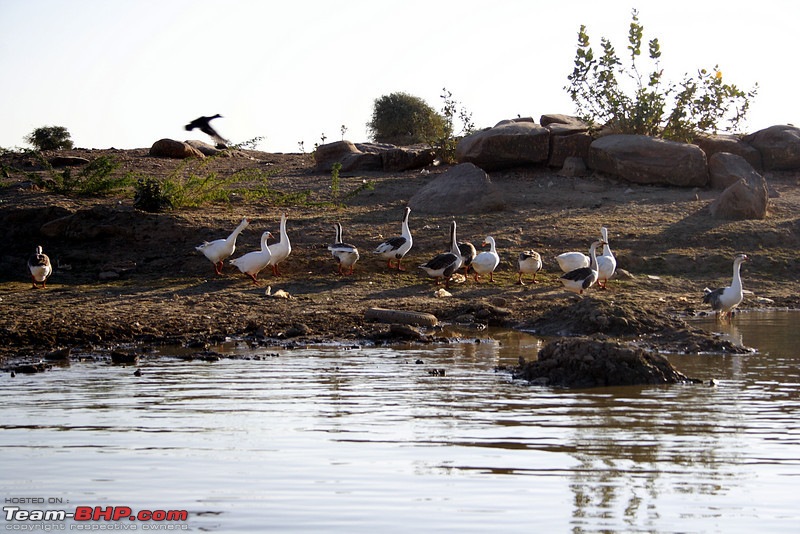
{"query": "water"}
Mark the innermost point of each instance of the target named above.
(368, 440)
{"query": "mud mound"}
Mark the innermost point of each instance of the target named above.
(584, 363)
(590, 316)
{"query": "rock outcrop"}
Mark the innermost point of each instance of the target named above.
(725, 169)
(510, 143)
(647, 160)
(779, 147)
(348, 155)
(712, 144)
(400, 158)
(463, 188)
(169, 148)
(747, 198)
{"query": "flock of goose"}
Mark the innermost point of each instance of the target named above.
(581, 271)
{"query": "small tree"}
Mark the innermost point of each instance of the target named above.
(608, 94)
(403, 119)
(50, 138)
(445, 146)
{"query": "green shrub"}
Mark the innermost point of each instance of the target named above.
(445, 145)
(403, 119)
(96, 178)
(50, 138)
(149, 196)
(606, 93)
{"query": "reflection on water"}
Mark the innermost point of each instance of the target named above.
(359, 440)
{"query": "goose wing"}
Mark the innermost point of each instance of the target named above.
(391, 244)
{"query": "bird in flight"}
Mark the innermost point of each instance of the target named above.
(202, 123)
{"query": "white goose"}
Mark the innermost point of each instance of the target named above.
(396, 247)
(39, 267)
(607, 263)
(584, 277)
(346, 254)
(444, 265)
(486, 261)
(569, 261)
(253, 263)
(528, 261)
(280, 250)
(219, 250)
(725, 299)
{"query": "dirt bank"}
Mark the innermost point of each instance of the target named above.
(122, 275)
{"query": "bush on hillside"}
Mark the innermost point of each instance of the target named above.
(50, 138)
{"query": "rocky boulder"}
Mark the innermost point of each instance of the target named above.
(713, 144)
(563, 124)
(169, 148)
(210, 150)
(563, 147)
(400, 158)
(646, 160)
(725, 169)
(748, 198)
(574, 167)
(346, 153)
(586, 363)
(779, 147)
(67, 161)
(462, 188)
(510, 143)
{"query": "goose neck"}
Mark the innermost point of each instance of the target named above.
(737, 278)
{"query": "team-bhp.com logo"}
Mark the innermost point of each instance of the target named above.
(86, 518)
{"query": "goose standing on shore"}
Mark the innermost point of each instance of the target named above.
(725, 299)
(253, 263)
(346, 254)
(395, 248)
(584, 277)
(219, 250)
(444, 265)
(39, 267)
(528, 261)
(607, 263)
(486, 261)
(280, 250)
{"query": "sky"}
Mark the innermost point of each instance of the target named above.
(125, 73)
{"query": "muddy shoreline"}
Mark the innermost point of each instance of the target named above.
(130, 278)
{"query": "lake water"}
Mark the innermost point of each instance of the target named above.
(369, 440)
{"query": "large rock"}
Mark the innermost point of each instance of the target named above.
(713, 144)
(403, 158)
(585, 363)
(726, 169)
(563, 147)
(169, 148)
(346, 153)
(563, 124)
(464, 188)
(779, 147)
(400, 158)
(647, 160)
(508, 144)
(748, 198)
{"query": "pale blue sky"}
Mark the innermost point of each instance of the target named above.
(125, 73)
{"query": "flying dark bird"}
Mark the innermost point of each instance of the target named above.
(202, 123)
